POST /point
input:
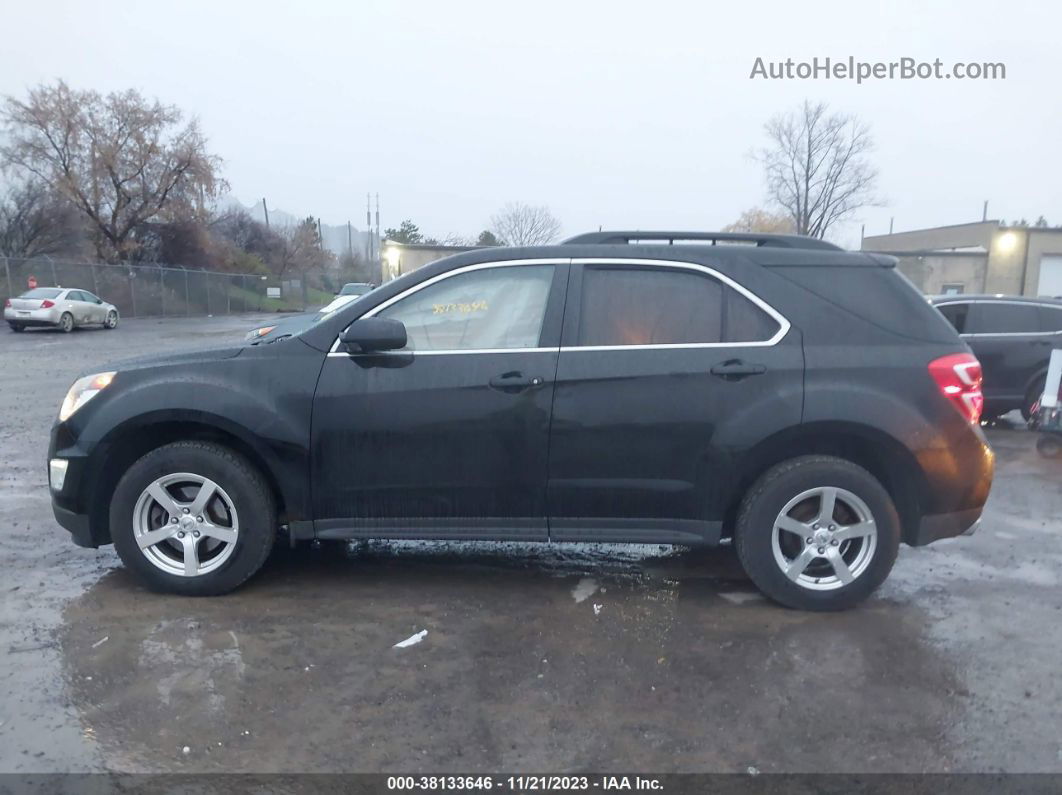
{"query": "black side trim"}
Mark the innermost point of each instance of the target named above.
(688, 532)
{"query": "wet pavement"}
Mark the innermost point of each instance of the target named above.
(535, 657)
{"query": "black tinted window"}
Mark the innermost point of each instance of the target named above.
(643, 306)
(1050, 318)
(956, 315)
(76, 295)
(1003, 318)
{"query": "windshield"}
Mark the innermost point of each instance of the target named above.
(41, 292)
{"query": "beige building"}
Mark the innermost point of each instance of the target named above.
(401, 258)
(983, 257)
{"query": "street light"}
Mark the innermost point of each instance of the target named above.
(393, 255)
(1006, 242)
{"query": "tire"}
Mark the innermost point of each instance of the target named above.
(242, 506)
(1031, 396)
(796, 487)
(66, 323)
(1049, 446)
(112, 320)
(17, 327)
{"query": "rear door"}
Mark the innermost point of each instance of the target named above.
(667, 372)
(1007, 339)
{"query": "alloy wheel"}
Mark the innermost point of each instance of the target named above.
(185, 524)
(824, 538)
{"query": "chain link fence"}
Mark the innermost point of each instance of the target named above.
(145, 289)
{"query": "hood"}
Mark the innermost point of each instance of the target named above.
(179, 357)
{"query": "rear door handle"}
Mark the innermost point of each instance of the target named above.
(515, 381)
(735, 370)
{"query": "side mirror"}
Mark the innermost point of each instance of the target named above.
(370, 334)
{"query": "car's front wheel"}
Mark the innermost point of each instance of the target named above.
(817, 533)
(193, 518)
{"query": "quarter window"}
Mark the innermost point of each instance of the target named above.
(1050, 318)
(662, 306)
(1004, 318)
(493, 308)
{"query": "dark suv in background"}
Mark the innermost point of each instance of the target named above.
(1013, 338)
(608, 389)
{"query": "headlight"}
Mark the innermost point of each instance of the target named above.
(83, 390)
(259, 332)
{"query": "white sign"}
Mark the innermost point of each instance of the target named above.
(272, 292)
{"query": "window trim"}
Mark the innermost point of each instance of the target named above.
(555, 261)
(974, 302)
(783, 323)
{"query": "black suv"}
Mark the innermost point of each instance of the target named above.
(608, 389)
(1013, 338)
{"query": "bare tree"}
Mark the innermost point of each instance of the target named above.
(817, 167)
(519, 224)
(34, 221)
(121, 159)
(761, 221)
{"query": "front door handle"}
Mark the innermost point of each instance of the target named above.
(735, 370)
(515, 381)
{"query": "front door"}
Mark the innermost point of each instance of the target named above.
(666, 371)
(447, 438)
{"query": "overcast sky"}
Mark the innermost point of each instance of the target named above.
(636, 115)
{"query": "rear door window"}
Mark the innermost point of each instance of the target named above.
(630, 306)
(1005, 318)
(956, 314)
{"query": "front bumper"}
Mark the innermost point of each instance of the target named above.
(68, 503)
(33, 317)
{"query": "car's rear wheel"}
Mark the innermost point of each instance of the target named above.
(16, 327)
(66, 323)
(193, 518)
(112, 320)
(817, 533)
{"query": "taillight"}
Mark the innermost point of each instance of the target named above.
(959, 378)
(46, 304)
(7, 303)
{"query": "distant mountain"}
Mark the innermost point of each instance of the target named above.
(334, 238)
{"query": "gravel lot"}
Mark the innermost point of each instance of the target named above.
(536, 658)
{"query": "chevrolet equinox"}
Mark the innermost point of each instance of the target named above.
(803, 402)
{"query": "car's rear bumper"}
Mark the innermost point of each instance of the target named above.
(934, 527)
(32, 317)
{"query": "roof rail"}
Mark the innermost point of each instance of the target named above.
(776, 241)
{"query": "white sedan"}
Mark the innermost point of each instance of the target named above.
(60, 307)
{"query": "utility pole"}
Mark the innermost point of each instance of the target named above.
(368, 223)
(890, 225)
(265, 211)
(377, 216)
(350, 241)
(984, 213)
